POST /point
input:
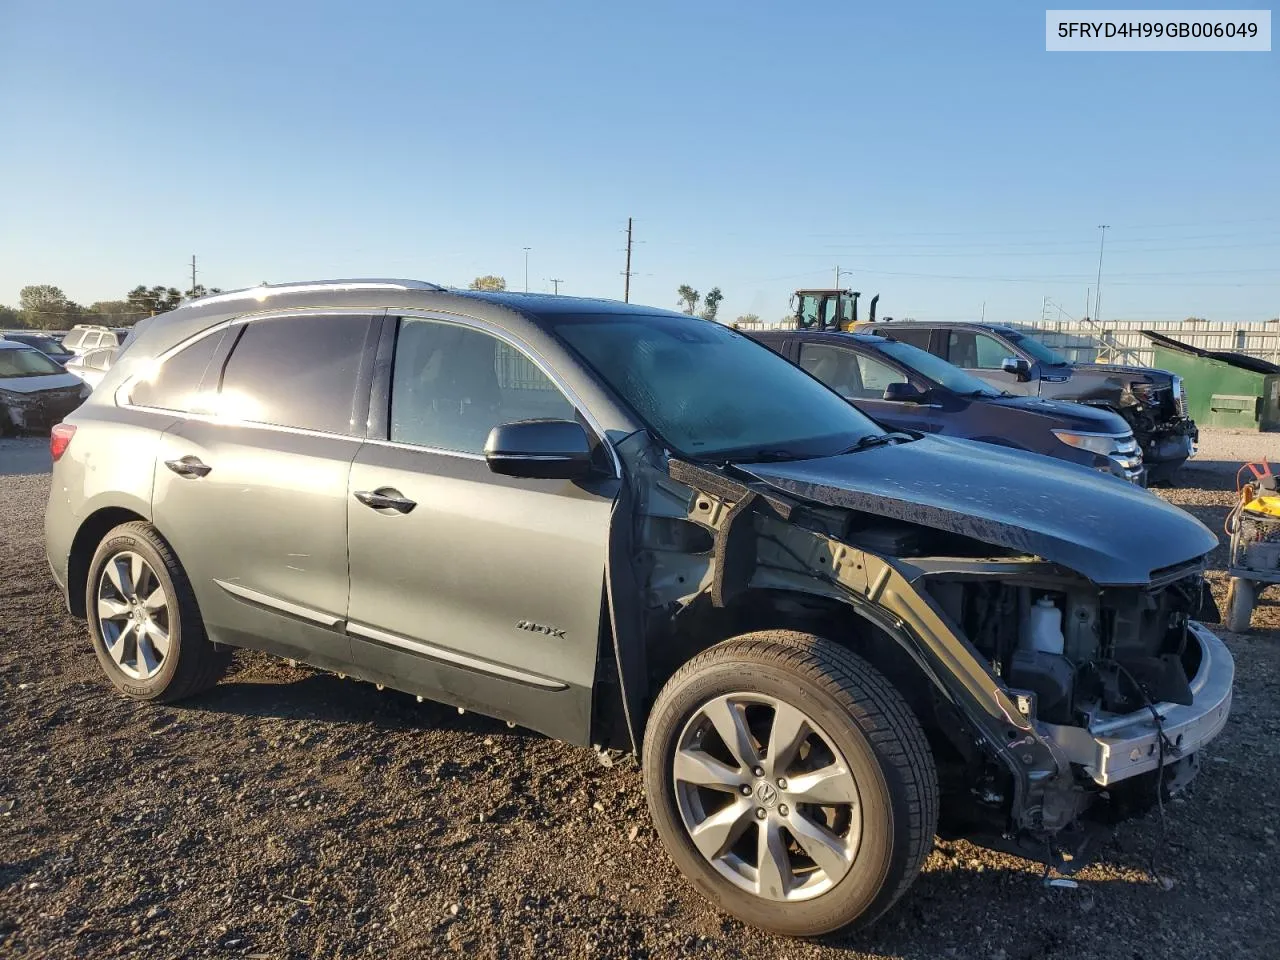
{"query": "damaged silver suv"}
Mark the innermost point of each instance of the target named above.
(634, 529)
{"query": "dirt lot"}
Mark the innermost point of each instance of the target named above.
(289, 814)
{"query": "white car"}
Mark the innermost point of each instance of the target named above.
(35, 393)
(91, 367)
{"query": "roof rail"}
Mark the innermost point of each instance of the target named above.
(266, 290)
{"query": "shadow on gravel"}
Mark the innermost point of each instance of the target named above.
(327, 699)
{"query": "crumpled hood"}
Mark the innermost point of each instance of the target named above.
(1102, 528)
(50, 381)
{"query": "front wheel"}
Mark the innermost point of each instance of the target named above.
(790, 782)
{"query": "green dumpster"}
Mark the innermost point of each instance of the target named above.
(1223, 389)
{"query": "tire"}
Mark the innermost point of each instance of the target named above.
(857, 723)
(187, 663)
(1241, 597)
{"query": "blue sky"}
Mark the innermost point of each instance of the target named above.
(934, 150)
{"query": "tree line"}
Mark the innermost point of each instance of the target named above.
(43, 306)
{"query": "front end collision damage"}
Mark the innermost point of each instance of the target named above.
(756, 537)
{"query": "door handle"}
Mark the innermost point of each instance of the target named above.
(385, 498)
(190, 467)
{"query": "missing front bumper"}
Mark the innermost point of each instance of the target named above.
(1115, 748)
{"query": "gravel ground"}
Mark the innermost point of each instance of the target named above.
(288, 814)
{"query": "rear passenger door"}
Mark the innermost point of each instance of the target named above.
(252, 494)
(480, 590)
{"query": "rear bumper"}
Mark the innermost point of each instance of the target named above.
(1115, 748)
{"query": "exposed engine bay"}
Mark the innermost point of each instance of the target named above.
(1045, 692)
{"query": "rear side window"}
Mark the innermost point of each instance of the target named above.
(296, 372)
(451, 385)
(917, 338)
(176, 383)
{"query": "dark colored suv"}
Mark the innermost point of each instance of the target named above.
(905, 388)
(1153, 402)
(606, 522)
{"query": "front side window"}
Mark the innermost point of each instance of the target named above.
(296, 372)
(834, 366)
(937, 370)
(708, 392)
(975, 351)
(73, 339)
(175, 383)
(451, 385)
(26, 362)
(876, 377)
(1038, 350)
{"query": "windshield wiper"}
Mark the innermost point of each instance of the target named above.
(878, 440)
(767, 456)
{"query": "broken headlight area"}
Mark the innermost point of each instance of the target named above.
(39, 411)
(1123, 684)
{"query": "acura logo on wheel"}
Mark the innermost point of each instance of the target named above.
(766, 794)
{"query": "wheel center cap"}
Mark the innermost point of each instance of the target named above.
(767, 794)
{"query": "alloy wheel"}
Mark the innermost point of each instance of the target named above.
(766, 797)
(133, 615)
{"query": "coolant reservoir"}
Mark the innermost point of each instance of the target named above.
(1046, 627)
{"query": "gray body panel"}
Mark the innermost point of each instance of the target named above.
(270, 518)
(506, 573)
(1105, 529)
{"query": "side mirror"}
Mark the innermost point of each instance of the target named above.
(903, 392)
(539, 450)
(1018, 367)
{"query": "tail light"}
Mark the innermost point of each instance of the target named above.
(60, 439)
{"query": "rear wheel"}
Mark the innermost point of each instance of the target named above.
(1241, 597)
(790, 782)
(143, 619)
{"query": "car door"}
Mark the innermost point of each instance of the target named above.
(862, 379)
(475, 589)
(983, 355)
(252, 497)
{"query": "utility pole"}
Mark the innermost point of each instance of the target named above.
(1097, 296)
(626, 289)
(526, 268)
(556, 281)
(193, 275)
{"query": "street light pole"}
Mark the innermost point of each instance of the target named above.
(1097, 292)
(526, 268)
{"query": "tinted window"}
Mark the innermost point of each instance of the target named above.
(917, 338)
(708, 391)
(975, 351)
(451, 385)
(296, 372)
(175, 383)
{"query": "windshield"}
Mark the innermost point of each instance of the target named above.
(1036, 349)
(25, 362)
(46, 345)
(937, 370)
(708, 392)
